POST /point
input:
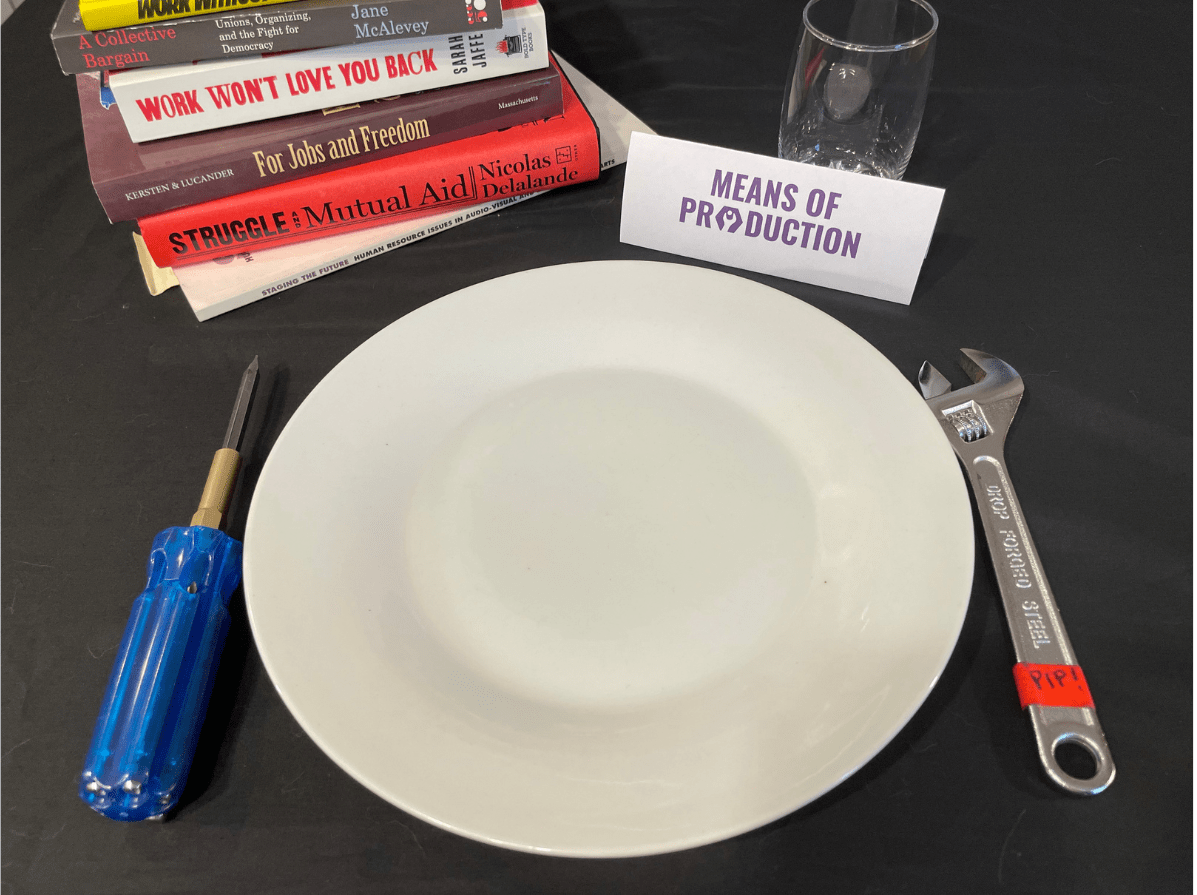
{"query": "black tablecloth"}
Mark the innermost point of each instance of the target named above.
(1062, 134)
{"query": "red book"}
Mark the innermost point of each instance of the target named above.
(524, 159)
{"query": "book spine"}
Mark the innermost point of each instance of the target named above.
(313, 25)
(316, 143)
(527, 159)
(98, 15)
(182, 99)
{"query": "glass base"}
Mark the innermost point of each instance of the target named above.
(855, 164)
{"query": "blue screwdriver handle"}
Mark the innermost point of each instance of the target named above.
(157, 696)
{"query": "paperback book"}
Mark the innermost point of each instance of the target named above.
(250, 31)
(170, 100)
(134, 180)
(533, 157)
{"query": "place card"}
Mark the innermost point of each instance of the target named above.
(853, 232)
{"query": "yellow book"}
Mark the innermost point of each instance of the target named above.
(99, 15)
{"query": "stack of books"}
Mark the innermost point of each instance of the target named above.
(234, 128)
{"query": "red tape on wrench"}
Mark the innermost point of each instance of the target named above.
(1058, 685)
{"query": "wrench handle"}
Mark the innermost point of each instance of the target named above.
(1037, 631)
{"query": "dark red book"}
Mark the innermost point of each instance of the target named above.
(135, 180)
(527, 159)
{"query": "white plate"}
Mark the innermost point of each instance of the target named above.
(608, 559)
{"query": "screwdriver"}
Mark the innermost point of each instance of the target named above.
(153, 708)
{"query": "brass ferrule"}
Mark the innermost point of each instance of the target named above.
(218, 490)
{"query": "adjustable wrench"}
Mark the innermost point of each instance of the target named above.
(1050, 683)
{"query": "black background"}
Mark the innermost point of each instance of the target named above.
(1062, 132)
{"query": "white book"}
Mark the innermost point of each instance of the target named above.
(169, 100)
(215, 287)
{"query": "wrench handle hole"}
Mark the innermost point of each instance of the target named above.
(1076, 759)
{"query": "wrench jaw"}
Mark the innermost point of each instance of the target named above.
(994, 379)
(978, 411)
(980, 365)
(932, 383)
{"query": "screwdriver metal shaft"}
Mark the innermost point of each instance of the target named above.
(222, 475)
(157, 695)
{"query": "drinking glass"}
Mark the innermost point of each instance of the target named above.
(858, 84)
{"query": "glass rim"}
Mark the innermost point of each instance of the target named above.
(873, 48)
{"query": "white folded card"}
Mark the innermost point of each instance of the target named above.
(852, 232)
